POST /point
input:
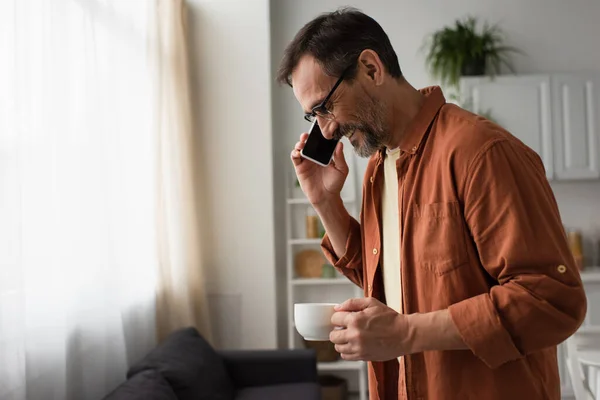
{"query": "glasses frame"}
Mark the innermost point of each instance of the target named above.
(321, 110)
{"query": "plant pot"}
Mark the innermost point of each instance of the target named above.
(474, 67)
(333, 388)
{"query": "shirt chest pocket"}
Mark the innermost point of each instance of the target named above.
(438, 238)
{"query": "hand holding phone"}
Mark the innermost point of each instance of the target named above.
(319, 178)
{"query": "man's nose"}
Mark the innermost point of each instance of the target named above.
(328, 127)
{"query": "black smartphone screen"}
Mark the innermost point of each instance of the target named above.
(317, 147)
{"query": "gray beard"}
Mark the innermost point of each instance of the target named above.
(371, 124)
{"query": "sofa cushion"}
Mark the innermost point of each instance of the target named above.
(190, 365)
(290, 391)
(147, 385)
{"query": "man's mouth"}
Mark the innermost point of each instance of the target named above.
(347, 132)
(349, 136)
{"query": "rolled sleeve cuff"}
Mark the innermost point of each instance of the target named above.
(352, 258)
(480, 327)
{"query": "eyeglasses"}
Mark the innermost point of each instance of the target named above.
(321, 109)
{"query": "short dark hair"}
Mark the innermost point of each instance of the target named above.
(335, 40)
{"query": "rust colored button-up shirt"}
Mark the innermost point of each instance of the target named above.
(481, 236)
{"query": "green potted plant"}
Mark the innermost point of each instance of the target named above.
(463, 50)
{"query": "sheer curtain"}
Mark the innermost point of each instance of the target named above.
(78, 195)
(182, 298)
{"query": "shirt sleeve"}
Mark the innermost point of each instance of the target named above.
(350, 264)
(514, 220)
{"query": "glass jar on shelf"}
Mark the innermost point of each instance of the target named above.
(312, 224)
(575, 243)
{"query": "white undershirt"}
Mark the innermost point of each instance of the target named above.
(391, 232)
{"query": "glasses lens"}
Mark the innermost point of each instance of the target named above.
(321, 113)
(325, 114)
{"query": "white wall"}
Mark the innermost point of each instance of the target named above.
(556, 35)
(231, 88)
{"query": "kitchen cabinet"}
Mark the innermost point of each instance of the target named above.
(557, 115)
(522, 105)
(576, 121)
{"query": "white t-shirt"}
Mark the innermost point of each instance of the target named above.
(391, 232)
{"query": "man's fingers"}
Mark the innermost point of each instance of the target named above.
(300, 144)
(348, 351)
(338, 157)
(340, 318)
(296, 157)
(345, 348)
(356, 304)
(350, 356)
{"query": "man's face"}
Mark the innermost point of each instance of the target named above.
(358, 115)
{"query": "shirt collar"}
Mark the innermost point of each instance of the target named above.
(416, 129)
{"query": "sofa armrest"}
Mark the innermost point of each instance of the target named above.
(270, 367)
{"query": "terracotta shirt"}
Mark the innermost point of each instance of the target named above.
(480, 235)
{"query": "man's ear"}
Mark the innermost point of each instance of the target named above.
(370, 65)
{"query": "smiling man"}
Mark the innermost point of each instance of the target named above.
(468, 280)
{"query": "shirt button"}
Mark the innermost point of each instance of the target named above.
(414, 148)
(371, 179)
(562, 269)
(374, 251)
(369, 287)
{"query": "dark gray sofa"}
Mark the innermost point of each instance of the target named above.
(186, 367)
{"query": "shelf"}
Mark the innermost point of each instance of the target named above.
(322, 281)
(298, 201)
(590, 275)
(303, 200)
(305, 241)
(341, 365)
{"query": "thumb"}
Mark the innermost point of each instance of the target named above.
(339, 159)
(356, 304)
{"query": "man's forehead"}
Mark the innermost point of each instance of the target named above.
(309, 82)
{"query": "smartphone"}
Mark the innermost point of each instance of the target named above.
(318, 149)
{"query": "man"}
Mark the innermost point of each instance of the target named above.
(468, 280)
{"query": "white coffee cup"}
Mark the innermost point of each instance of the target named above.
(313, 320)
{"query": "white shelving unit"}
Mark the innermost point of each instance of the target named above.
(336, 289)
(340, 366)
(322, 281)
